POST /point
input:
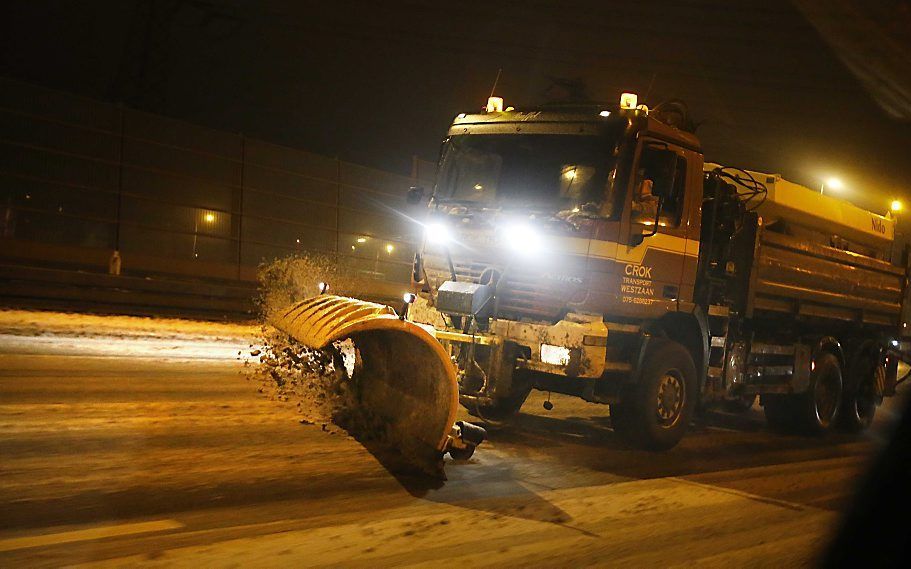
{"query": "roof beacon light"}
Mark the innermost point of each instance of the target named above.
(629, 101)
(494, 104)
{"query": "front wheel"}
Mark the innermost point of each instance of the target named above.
(655, 412)
(504, 407)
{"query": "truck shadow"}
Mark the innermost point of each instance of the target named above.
(713, 452)
(537, 451)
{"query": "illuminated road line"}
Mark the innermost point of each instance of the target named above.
(15, 543)
(742, 494)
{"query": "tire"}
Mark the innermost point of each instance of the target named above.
(504, 408)
(814, 412)
(820, 404)
(859, 404)
(655, 412)
(462, 453)
(740, 404)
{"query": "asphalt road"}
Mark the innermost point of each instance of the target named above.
(127, 457)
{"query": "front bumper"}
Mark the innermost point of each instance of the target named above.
(574, 347)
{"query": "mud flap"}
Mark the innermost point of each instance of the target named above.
(405, 382)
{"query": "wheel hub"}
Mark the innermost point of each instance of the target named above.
(826, 396)
(670, 399)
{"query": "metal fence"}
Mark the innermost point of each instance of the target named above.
(80, 179)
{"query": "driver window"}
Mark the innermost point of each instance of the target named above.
(673, 208)
(660, 179)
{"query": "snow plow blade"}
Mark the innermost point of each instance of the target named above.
(404, 379)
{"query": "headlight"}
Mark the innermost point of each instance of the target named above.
(555, 355)
(437, 233)
(521, 238)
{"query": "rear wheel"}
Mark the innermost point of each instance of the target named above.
(812, 412)
(822, 400)
(859, 405)
(655, 412)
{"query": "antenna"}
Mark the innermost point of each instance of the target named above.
(495, 81)
(650, 85)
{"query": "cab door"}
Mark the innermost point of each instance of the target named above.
(652, 245)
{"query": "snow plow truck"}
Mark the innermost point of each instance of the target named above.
(591, 251)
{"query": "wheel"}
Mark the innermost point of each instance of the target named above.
(813, 412)
(462, 453)
(858, 406)
(504, 408)
(740, 404)
(821, 402)
(655, 412)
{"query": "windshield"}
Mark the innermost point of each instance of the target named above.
(552, 170)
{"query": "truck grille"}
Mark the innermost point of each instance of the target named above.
(525, 294)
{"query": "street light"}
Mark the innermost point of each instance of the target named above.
(832, 184)
(895, 206)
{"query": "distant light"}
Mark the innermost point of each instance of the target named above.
(835, 184)
(575, 210)
(604, 113)
(353, 247)
(895, 206)
(210, 217)
(495, 104)
(298, 241)
(570, 174)
(390, 248)
(629, 101)
(361, 239)
(478, 187)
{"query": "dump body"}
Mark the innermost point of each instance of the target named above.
(821, 217)
(800, 278)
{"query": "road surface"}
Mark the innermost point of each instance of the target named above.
(159, 451)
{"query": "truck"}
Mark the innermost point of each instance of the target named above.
(589, 250)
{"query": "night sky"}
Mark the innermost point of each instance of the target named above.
(377, 82)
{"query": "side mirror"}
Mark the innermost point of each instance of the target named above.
(415, 195)
(636, 239)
